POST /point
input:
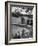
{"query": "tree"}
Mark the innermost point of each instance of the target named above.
(23, 33)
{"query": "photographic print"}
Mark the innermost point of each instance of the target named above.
(21, 22)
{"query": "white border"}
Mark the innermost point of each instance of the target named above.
(34, 25)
